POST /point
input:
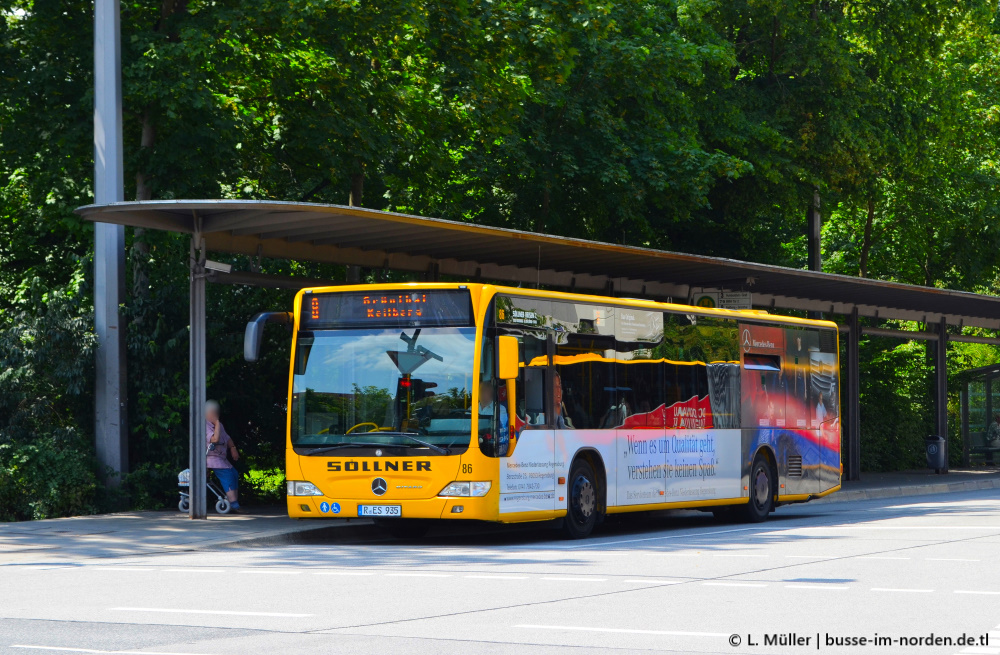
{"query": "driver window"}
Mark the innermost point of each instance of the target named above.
(498, 431)
(493, 422)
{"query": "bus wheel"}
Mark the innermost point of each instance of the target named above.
(581, 504)
(761, 491)
(404, 528)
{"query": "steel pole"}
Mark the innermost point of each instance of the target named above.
(941, 386)
(111, 421)
(852, 467)
(196, 382)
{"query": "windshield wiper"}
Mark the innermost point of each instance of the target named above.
(426, 444)
(353, 444)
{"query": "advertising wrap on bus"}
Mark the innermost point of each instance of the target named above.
(473, 401)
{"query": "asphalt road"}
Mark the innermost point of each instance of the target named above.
(672, 584)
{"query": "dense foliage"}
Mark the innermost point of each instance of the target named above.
(696, 125)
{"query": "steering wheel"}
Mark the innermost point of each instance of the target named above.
(375, 425)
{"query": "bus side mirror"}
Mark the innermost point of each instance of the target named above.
(507, 358)
(255, 332)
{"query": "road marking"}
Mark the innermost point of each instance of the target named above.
(166, 610)
(950, 559)
(418, 575)
(648, 581)
(817, 586)
(122, 568)
(672, 633)
(343, 573)
(680, 554)
(669, 536)
(737, 555)
(985, 593)
(892, 527)
(92, 650)
(733, 584)
(559, 578)
(195, 570)
(272, 572)
(813, 556)
(497, 577)
(905, 591)
(880, 557)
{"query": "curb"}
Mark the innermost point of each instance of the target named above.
(880, 493)
(298, 537)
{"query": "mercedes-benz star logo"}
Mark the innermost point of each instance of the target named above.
(379, 486)
(746, 340)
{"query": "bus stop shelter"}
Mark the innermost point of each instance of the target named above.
(435, 247)
(980, 394)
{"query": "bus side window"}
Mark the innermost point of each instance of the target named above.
(531, 396)
(531, 383)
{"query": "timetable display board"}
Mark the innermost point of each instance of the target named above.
(402, 308)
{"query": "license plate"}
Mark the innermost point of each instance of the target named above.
(380, 510)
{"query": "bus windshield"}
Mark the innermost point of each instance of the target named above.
(408, 388)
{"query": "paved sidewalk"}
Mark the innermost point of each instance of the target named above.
(873, 486)
(139, 533)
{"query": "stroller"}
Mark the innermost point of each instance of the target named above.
(184, 480)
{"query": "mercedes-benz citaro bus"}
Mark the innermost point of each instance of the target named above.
(420, 401)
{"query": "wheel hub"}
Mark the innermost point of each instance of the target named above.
(584, 497)
(762, 487)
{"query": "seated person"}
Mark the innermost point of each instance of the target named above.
(993, 433)
(561, 421)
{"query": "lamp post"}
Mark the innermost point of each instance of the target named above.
(111, 420)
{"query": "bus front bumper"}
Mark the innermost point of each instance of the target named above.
(321, 507)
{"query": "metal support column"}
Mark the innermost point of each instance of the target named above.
(988, 390)
(110, 394)
(197, 381)
(941, 385)
(852, 426)
(965, 425)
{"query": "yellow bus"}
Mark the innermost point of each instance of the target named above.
(423, 401)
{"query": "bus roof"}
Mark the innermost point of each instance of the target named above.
(754, 315)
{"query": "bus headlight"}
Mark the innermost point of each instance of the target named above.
(466, 489)
(295, 488)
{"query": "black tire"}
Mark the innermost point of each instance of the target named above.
(404, 528)
(184, 505)
(582, 505)
(762, 485)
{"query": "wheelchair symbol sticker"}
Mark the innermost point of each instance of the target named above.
(324, 507)
(335, 508)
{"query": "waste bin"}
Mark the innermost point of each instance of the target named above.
(936, 451)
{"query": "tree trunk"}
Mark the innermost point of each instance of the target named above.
(546, 205)
(353, 273)
(357, 189)
(866, 240)
(143, 191)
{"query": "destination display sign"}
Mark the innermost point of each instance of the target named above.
(402, 308)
